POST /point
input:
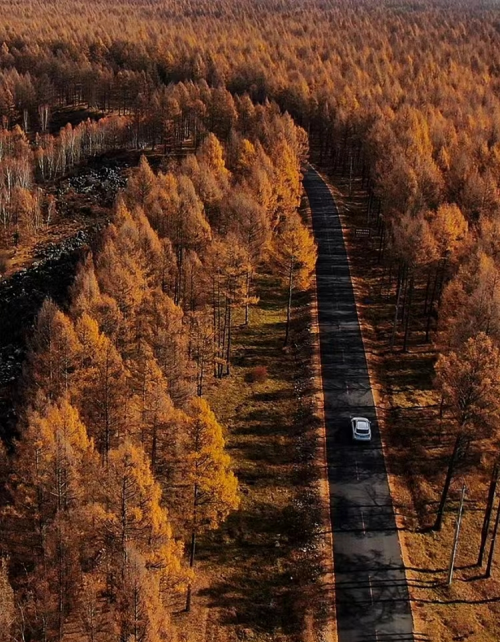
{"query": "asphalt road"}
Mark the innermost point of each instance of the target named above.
(370, 584)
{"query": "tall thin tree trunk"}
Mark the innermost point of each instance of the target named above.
(427, 288)
(124, 512)
(229, 337)
(154, 445)
(488, 513)
(381, 246)
(405, 291)
(396, 311)
(60, 610)
(493, 544)
(431, 306)
(247, 295)
(408, 314)
(214, 319)
(193, 547)
(191, 565)
(201, 373)
(289, 304)
(446, 487)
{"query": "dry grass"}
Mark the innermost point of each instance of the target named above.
(417, 446)
(262, 574)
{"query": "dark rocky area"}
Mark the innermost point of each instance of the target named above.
(50, 275)
(21, 297)
(99, 183)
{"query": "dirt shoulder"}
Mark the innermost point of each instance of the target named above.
(417, 446)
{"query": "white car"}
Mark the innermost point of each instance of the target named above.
(361, 429)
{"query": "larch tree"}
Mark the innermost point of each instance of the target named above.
(157, 419)
(54, 352)
(227, 267)
(120, 275)
(165, 331)
(416, 247)
(179, 216)
(101, 391)
(94, 619)
(248, 221)
(286, 181)
(201, 346)
(136, 519)
(294, 256)
(469, 382)
(471, 301)
(449, 229)
(55, 461)
(211, 483)
(140, 613)
(141, 184)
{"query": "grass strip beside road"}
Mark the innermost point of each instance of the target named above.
(266, 575)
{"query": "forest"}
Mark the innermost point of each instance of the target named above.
(118, 464)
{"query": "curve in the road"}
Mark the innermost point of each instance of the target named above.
(370, 583)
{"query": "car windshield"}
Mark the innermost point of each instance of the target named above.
(363, 429)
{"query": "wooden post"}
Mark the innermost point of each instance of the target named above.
(457, 534)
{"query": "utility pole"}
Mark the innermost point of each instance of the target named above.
(493, 542)
(455, 541)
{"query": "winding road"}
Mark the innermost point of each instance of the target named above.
(370, 584)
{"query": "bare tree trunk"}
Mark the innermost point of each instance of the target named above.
(214, 319)
(427, 288)
(289, 304)
(193, 546)
(488, 513)
(408, 314)
(201, 373)
(191, 565)
(431, 306)
(396, 311)
(60, 610)
(247, 294)
(381, 246)
(493, 544)
(229, 338)
(449, 475)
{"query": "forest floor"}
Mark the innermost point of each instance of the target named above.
(417, 446)
(266, 575)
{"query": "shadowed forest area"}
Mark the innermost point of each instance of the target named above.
(157, 267)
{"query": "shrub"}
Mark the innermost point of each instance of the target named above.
(258, 374)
